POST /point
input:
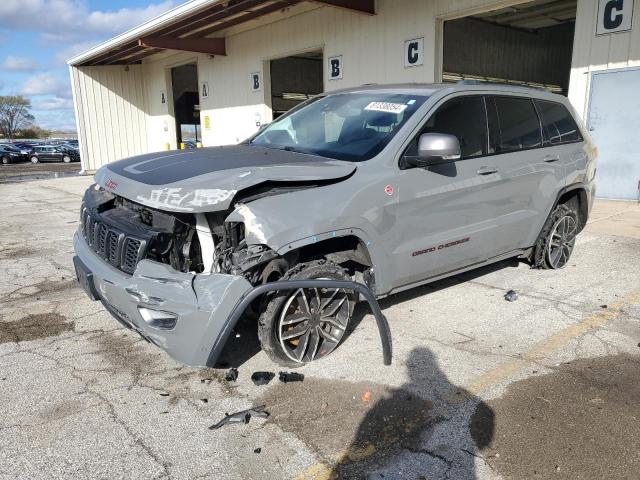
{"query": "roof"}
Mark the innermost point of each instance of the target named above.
(195, 26)
(464, 86)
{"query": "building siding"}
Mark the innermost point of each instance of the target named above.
(110, 113)
(120, 114)
(593, 53)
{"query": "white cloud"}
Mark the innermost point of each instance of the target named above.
(53, 103)
(125, 18)
(19, 64)
(64, 20)
(46, 84)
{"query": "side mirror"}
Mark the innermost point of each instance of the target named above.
(435, 149)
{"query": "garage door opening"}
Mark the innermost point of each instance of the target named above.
(295, 79)
(186, 103)
(529, 44)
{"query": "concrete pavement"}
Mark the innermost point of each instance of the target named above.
(544, 387)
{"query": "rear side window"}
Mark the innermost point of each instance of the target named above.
(516, 125)
(465, 118)
(558, 124)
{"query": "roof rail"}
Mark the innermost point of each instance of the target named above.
(507, 84)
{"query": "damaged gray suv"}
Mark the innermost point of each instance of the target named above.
(387, 186)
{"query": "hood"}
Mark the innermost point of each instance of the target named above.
(208, 179)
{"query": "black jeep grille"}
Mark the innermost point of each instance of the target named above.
(120, 250)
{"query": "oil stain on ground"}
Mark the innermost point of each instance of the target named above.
(347, 422)
(34, 327)
(581, 421)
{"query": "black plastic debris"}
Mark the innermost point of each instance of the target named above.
(262, 378)
(204, 400)
(231, 375)
(257, 450)
(287, 377)
(604, 306)
(164, 394)
(241, 417)
(511, 296)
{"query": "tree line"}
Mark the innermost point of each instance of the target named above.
(16, 120)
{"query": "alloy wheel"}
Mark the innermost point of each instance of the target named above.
(313, 322)
(562, 241)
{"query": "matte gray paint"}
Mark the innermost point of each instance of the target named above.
(476, 218)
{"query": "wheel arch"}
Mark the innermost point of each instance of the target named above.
(575, 195)
(348, 246)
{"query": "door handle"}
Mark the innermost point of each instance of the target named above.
(487, 170)
(551, 158)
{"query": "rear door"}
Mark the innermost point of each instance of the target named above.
(531, 171)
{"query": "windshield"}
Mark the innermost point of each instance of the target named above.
(347, 126)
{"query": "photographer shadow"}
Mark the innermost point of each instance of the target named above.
(428, 427)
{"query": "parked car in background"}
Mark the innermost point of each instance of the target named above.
(53, 153)
(10, 154)
(23, 147)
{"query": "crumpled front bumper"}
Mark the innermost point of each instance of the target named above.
(201, 303)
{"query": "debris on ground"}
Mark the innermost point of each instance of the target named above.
(262, 378)
(204, 400)
(366, 396)
(231, 375)
(511, 296)
(241, 417)
(257, 450)
(287, 377)
(164, 394)
(604, 306)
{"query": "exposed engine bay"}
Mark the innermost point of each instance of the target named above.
(124, 232)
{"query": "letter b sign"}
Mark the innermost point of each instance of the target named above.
(614, 16)
(335, 67)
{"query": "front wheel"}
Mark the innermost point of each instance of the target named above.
(5, 161)
(557, 239)
(301, 326)
(34, 159)
(66, 159)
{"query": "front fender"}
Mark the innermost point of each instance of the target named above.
(262, 227)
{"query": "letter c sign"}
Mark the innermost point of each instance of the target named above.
(414, 52)
(614, 16)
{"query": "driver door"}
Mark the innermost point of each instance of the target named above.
(447, 212)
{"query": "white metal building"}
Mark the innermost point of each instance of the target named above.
(213, 71)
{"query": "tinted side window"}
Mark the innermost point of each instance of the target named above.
(558, 124)
(518, 126)
(465, 118)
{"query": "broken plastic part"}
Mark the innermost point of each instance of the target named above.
(241, 417)
(256, 292)
(287, 377)
(231, 375)
(262, 378)
(511, 296)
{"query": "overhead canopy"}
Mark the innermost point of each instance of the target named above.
(190, 27)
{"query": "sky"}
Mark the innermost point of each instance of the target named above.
(37, 37)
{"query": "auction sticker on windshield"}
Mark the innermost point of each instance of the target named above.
(386, 107)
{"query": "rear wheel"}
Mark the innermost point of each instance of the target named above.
(6, 161)
(305, 325)
(558, 238)
(66, 159)
(34, 159)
